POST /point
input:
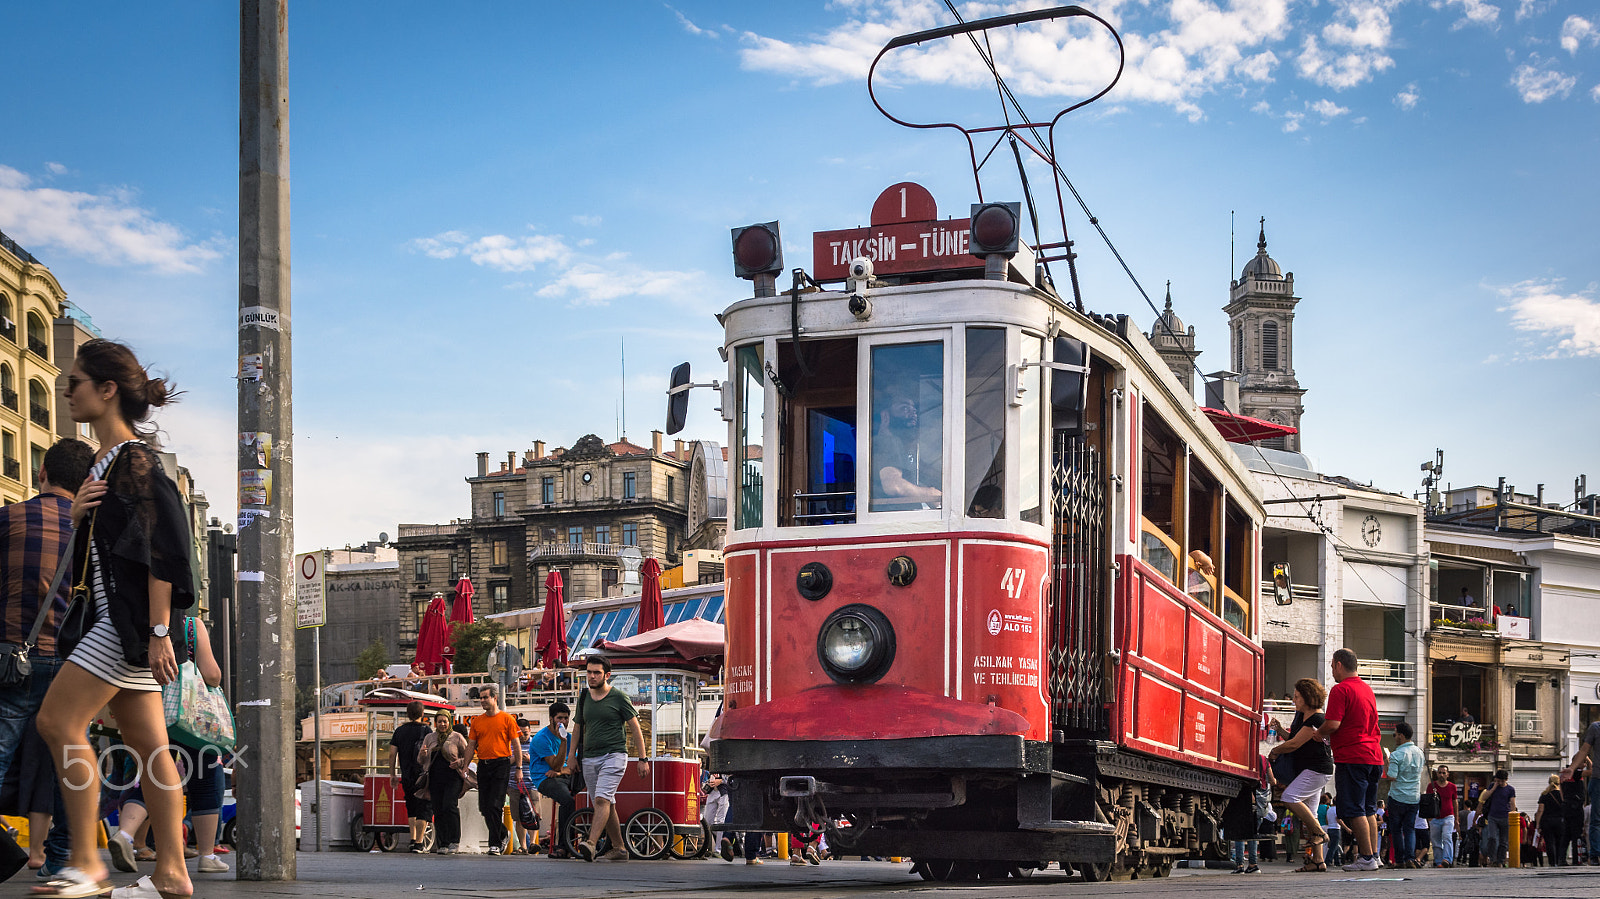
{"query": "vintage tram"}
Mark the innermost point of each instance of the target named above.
(992, 573)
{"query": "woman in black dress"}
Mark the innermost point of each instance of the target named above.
(443, 755)
(1550, 822)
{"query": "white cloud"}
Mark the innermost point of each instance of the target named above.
(1262, 107)
(1537, 85)
(496, 251)
(1203, 48)
(1595, 93)
(1572, 318)
(689, 26)
(588, 221)
(1577, 31)
(55, 168)
(593, 284)
(1527, 8)
(1407, 99)
(1291, 121)
(105, 228)
(1327, 109)
(1475, 12)
(1352, 47)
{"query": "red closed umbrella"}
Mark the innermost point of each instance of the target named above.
(651, 615)
(461, 610)
(552, 646)
(433, 637)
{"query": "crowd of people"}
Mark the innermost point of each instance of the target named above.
(1330, 766)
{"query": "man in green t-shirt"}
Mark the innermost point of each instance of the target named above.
(604, 719)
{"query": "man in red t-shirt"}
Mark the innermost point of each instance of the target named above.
(1351, 728)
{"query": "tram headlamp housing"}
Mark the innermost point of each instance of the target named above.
(856, 644)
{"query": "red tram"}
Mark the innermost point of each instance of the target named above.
(992, 573)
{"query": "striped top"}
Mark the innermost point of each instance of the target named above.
(36, 533)
(100, 651)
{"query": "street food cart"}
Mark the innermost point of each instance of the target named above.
(383, 799)
(661, 671)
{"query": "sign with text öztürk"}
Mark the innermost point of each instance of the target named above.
(310, 590)
(905, 236)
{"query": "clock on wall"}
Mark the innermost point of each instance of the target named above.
(1371, 530)
(588, 476)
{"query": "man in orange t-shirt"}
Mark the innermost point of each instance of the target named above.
(494, 737)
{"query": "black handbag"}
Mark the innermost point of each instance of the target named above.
(1428, 806)
(15, 666)
(1284, 769)
(527, 814)
(75, 621)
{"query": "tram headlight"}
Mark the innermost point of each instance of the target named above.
(856, 644)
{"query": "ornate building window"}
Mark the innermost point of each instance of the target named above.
(547, 490)
(630, 534)
(629, 485)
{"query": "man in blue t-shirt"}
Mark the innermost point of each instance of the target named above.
(1499, 804)
(550, 771)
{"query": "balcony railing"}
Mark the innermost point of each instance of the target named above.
(1386, 671)
(39, 414)
(1469, 618)
(1526, 725)
(566, 550)
(429, 530)
(14, 469)
(39, 348)
(9, 398)
(8, 330)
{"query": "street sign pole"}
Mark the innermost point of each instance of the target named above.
(311, 610)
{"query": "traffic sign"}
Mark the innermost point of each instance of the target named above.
(310, 590)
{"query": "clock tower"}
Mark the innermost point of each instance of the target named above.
(1261, 334)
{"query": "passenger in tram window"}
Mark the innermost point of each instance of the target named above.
(987, 503)
(906, 470)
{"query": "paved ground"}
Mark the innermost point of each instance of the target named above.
(368, 876)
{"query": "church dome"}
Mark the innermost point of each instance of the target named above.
(1168, 323)
(1262, 267)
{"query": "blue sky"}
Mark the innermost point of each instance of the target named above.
(489, 198)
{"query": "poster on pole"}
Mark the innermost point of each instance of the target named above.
(310, 610)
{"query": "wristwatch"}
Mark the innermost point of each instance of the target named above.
(159, 630)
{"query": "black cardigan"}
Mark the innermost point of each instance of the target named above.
(140, 529)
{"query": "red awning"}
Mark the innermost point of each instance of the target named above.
(692, 639)
(1244, 429)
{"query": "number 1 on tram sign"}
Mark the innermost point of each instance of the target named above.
(310, 609)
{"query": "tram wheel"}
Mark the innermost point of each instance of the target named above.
(578, 831)
(648, 834)
(966, 870)
(1095, 872)
(685, 847)
(935, 869)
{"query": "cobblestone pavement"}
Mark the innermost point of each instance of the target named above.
(371, 876)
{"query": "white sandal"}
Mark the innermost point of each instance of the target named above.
(70, 883)
(143, 888)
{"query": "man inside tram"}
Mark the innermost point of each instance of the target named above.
(906, 470)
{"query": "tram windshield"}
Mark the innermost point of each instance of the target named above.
(908, 427)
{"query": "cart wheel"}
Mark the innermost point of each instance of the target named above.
(648, 834)
(385, 841)
(427, 837)
(692, 846)
(578, 830)
(359, 835)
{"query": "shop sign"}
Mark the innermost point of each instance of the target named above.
(1462, 733)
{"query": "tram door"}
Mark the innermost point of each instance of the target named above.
(817, 432)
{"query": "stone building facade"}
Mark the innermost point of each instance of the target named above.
(30, 300)
(577, 510)
(1260, 312)
(363, 604)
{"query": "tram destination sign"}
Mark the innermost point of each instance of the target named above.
(906, 235)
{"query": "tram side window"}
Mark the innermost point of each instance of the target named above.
(908, 427)
(1032, 382)
(817, 428)
(1205, 501)
(1237, 590)
(986, 423)
(751, 402)
(1160, 499)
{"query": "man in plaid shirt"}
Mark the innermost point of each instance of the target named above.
(36, 534)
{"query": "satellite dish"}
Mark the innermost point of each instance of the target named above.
(383, 537)
(678, 399)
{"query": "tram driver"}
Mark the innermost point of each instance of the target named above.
(905, 470)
